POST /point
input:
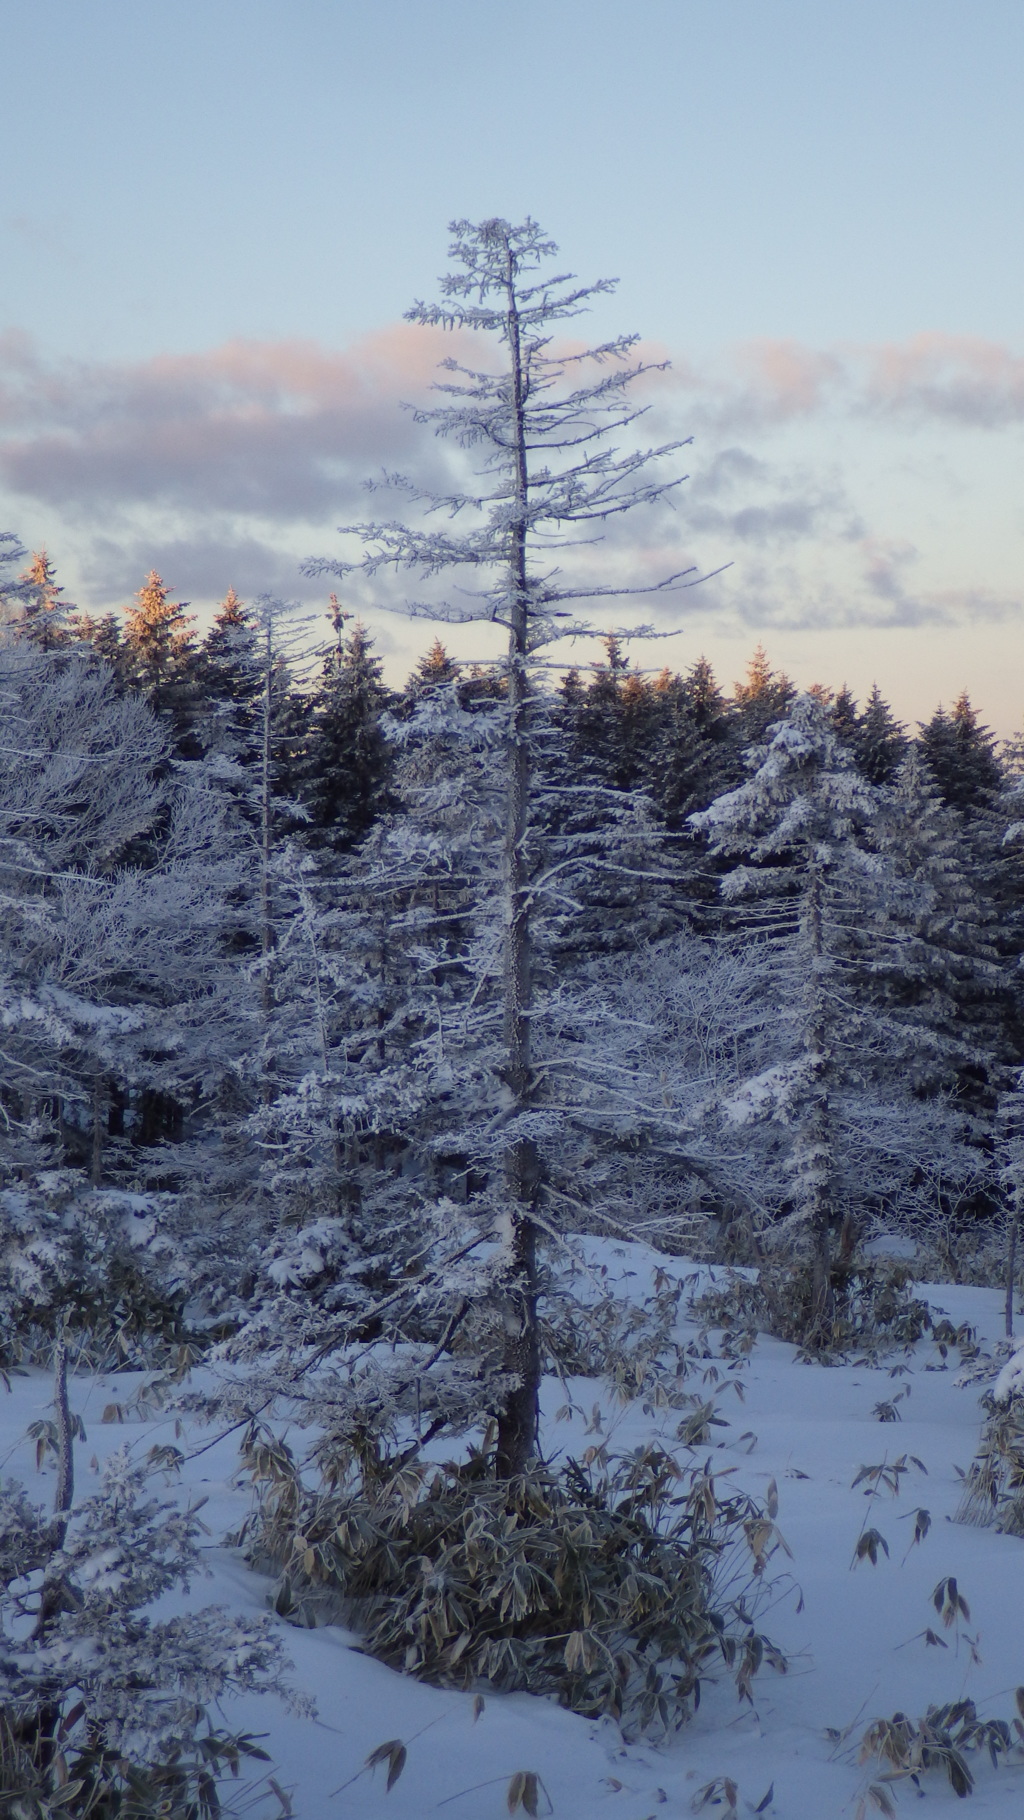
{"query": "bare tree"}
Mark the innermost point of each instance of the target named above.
(553, 472)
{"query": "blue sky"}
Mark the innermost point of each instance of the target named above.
(212, 217)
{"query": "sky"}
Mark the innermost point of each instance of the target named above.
(213, 216)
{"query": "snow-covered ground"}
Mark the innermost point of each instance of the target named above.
(854, 1635)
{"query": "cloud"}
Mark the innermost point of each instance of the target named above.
(750, 501)
(883, 590)
(231, 465)
(766, 384)
(288, 430)
(195, 567)
(775, 382)
(958, 378)
(279, 429)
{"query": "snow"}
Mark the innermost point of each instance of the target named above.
(854, 1636)
(1011, 1379)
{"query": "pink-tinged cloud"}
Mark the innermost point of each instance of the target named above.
(288, 430)
(281, 429)
(931, 376)
(958, 377)
(784, 380)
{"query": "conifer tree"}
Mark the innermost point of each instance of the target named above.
(614, 719)
(229, 667)
(121, 1001)
(799, 829)
(102, 636)
(157, 657)
(346, 760)
(435, 670)
(891, 979)
(15, 594)
(45, 612)
(933, 965)
(543, 430)
(692, 755)
(844, 713)
(960, 754)
(879, 741)
(706, 700)
(762, 697)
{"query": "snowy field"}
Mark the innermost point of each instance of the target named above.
(855, 1636)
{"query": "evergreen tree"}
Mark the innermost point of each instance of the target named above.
(156, 657)
(102, 636)
(845, 718)
(15, 594)
(763, 697)
(800, 834)
(706, 700)
(692, 756)
(879, 741)
(883, 961)
(435, 670)
(250, 700)
(960, 754)
(933, 965)
(544, 436)
(122, 1005)
(615, 720)
(45, 615)
(230, 670)
(158, 637)
(347, 760)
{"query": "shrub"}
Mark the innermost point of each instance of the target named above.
(939, 1741)
(615, 1587)
(103, 1708)
(874, 1305)
(95, 1783)
(993, 1492)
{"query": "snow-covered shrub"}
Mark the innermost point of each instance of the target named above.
(939, 1741)
(633, 1344)
(98, 1263)
(873, 1303)
(993, 1491)
(615, 1588)
(104, 1706)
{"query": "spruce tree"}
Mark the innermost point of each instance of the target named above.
(613, 720)
(102, 636)
(693, 755)
(229, 667)
(799, 834)
(762, 697)
(157, 658)
(347, 760)
(435, 670)
(934, 965)
(844, 713)
(45, 614)
(961, 756)
(879, 740)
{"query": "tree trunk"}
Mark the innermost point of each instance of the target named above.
(816, 1138)
(96, 1170)
(266, 932)
(65, 1489)
(517, 1419)
(47, 1716)
(1011, 1259)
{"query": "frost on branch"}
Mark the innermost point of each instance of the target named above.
(82, 1661)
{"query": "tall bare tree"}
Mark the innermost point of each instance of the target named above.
(559, 459)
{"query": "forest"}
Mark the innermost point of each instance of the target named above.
(348, 1030)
